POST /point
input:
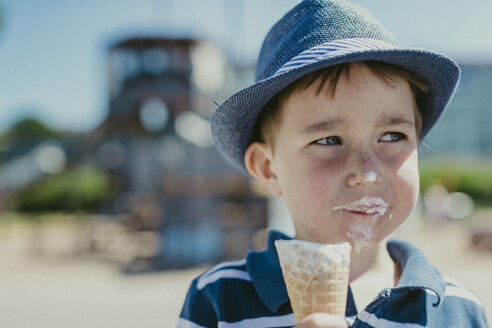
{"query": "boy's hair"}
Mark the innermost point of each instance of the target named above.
(269, 119)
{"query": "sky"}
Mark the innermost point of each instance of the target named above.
(53, 52)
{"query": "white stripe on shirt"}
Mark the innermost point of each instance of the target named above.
(226, 273)
(458, 290)
(262, 322)
(452, 281)
(350, 320)
(462, 293)
(376, 322)
(183, 323)
(226, 264)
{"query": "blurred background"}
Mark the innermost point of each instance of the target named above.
(112, 196)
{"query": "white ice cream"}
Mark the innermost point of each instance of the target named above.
(322, 253)
(370, 176)
(366, 204)
(361, 231)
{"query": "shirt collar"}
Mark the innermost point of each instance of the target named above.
(266, 274)
(417, 271)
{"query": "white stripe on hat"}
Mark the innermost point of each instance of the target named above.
(221, 274)
(262, 322)
(333, 49)
(376, 322)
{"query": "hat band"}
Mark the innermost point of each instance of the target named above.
(334, 49)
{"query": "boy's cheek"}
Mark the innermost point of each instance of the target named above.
(408, 186)
(407, 168)
(411, 170)
(312, 182)
(322, 166)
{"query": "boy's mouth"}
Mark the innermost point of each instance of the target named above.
(367, 206)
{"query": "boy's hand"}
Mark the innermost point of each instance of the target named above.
(322, 320)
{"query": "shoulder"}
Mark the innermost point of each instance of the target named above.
(448, 303)
(248, 292)
(460, 306)
(220, 282)
(221, 292)
(203, 306)
(458, 292)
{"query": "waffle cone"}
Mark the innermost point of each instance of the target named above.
(316, 276)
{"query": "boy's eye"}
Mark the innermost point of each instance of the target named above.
(333, 140)
(393, 136)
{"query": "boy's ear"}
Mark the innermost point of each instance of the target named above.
(258, 159)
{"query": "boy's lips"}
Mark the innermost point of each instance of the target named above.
(365, 206)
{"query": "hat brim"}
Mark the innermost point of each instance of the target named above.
(233, 121)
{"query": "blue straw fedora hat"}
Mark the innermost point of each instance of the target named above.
(317, 34)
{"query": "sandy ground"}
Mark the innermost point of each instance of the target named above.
(59, 289)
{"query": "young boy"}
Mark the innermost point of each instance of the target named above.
(332, 125)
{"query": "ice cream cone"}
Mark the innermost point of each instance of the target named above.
(316, 276)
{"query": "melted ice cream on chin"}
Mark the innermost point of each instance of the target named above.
(361, 231)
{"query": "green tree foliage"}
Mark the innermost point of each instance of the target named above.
(29, 128)
(84, 188)
(472, 179)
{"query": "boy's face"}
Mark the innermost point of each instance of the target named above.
(346, 165)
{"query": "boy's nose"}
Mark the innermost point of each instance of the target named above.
(364, 172)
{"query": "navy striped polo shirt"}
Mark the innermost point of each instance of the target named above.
(252, 293)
